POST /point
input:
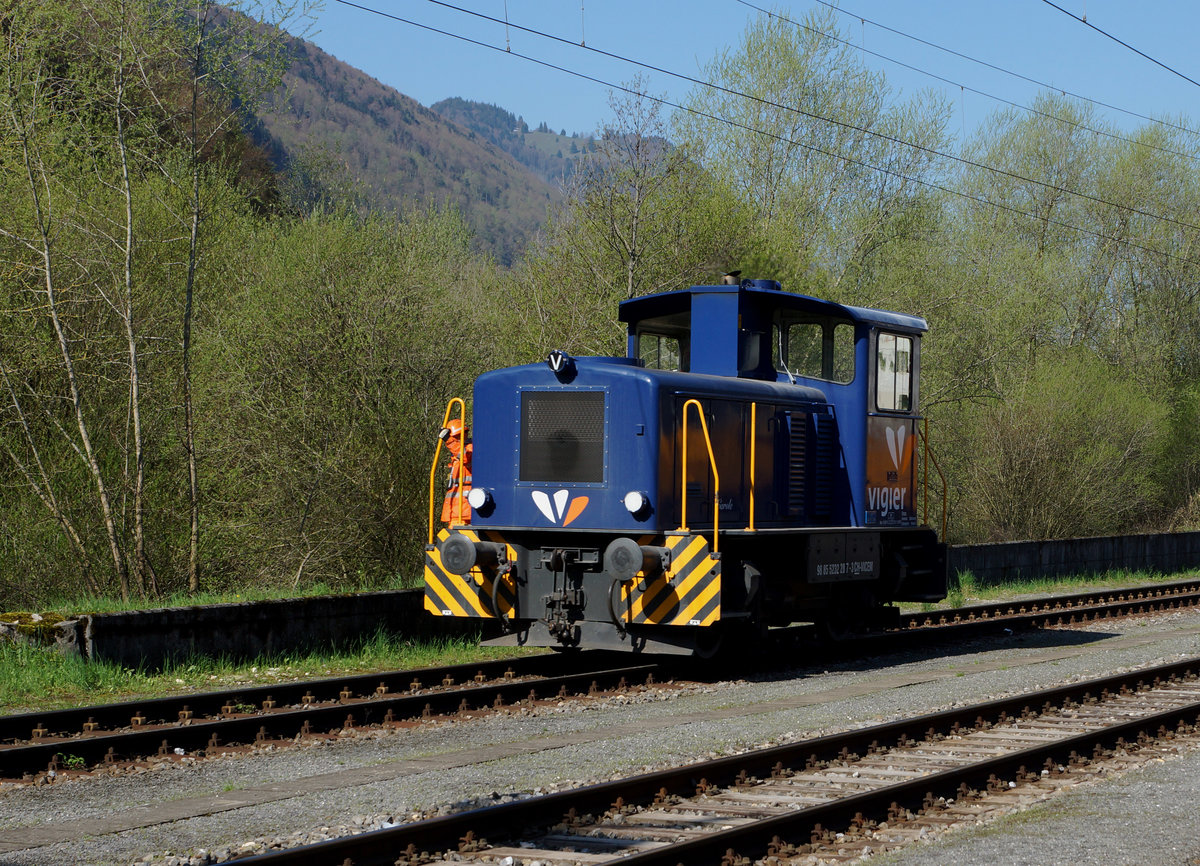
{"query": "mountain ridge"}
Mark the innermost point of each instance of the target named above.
(402, 154)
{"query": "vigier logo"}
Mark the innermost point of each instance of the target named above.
(558, 511)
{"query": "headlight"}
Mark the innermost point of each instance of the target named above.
(479, 497)
(636, 502)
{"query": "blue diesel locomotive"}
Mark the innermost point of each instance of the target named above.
(750, 462)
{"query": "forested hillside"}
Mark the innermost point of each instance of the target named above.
(548, 154)
(399, 155)
(213, 375)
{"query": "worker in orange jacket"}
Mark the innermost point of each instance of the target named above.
(455, 510)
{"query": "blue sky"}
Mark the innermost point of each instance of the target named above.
(1028, 36)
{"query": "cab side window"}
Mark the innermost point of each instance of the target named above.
(804, 346)
(893, 373)
(818, 349)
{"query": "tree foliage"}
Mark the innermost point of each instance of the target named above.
(117, 130)
(326, 383)
(206, 363)
(1071, 450)
(640, 216)
(805, 135)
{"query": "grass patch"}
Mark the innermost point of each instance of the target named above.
(112, 604)
(41, 679)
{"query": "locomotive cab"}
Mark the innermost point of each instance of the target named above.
(750, 461)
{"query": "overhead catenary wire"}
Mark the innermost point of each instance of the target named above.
(892, 139)
(1123, 43)
(997, 68)
(979, 200)
(963, 87)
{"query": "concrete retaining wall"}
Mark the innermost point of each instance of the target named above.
(148, 638)
(1026, 560)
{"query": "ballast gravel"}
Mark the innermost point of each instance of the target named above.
(369, 779)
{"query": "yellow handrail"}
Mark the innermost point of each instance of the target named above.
(929, 458)
(462, 416)
(712, 462)
(753, 443)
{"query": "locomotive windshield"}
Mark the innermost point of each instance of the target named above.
(660, 351)
(662, 342)
(816, 348)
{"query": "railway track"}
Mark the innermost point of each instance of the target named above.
(1070, 608)
(202, 724)
(832, 796)
(76, 740)
(928, 628)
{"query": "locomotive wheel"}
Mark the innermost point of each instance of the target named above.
(836, 626)
(847, 614)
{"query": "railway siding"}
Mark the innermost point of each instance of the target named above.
(595, 742)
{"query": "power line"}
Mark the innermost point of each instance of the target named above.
(979, 200)
(1084, 21)
(1012, 175)
(968, 88)
(1002, 69)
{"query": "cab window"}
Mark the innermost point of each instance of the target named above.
(660, 351)
(893, 373)
(815, 349)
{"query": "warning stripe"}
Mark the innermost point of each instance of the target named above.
(449, 594)
(659, 598)
(688, 593)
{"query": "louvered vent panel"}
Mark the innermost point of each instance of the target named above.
(827, 443)
(797, 460)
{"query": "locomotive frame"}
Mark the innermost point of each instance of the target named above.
(750, 462)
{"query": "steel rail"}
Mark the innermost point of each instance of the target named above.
(196, 736)
(929, 628)
(372, 696)
(523, 816)
(1055, 605)
(166, 709)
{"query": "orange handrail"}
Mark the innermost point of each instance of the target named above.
(929, 458)
(712, 460)
(462, 416)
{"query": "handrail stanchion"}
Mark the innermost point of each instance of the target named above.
(925, 470)
(462, 416)
(753, 450)
(712, 460)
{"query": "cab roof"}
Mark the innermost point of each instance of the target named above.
(763, 294)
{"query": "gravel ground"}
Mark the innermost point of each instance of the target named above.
(1143, 818)
(367, 778)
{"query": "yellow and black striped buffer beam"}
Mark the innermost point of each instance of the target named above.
(688, 593)
(469, 595)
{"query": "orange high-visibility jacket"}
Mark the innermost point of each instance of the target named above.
(455, 509)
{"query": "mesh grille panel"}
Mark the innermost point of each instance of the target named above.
(562, 436)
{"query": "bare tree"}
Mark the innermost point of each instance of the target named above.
(28, 90)
(622, 185)
(239, 59)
